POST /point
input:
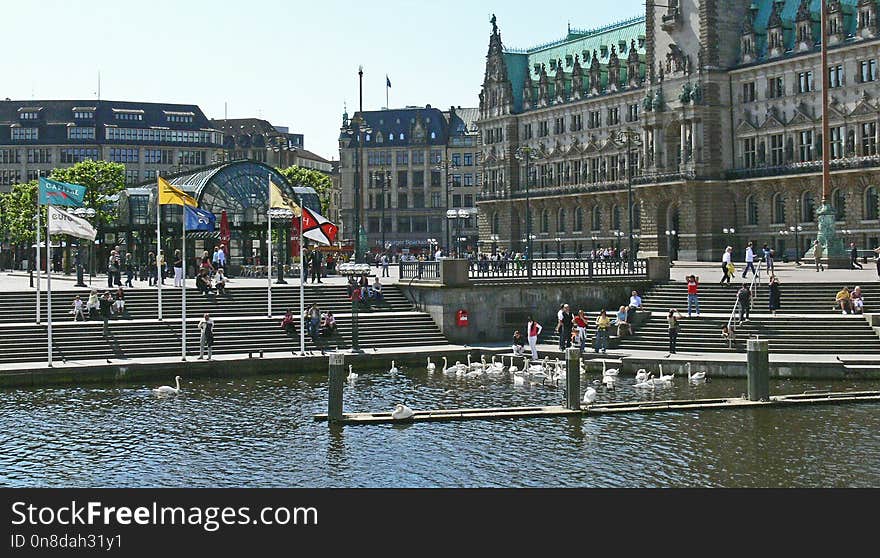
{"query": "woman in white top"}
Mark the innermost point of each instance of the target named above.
(206, 339)
(725, 263)
(534, 330)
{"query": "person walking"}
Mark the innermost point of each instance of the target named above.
(673, 321)
(112, 267)
(152, 271)
(774, 295)
(603, 322)
(693, 285)
(178, 269)
(750, 260)
(315, 266)
(534, 329)
(581, 324)
(818, 252)
(854, 256)
(744, 301)
(385, 271)
(768, 258)
(726, 263)
(206, 338)
(563, 328)
(129, 270)
(105, 308)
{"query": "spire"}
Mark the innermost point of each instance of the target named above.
(495, 46)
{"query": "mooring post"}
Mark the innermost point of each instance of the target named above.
(573, 379)
(759, 369)
(337, 382)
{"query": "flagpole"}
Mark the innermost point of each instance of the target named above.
(269, 242)
(159, 271)
(49, 277)
(302, 288)
(37, 263)
(183, 307)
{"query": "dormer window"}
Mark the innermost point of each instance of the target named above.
(621, 47)
(179, 117)
(29, 115)
(641, 42)
(603, 51)
(123, 114)
(401, 137)
(552, 64)
(569, 61)
(84, 116)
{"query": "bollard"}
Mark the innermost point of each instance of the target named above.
(573, 379)
(759, 370)
(337, 381)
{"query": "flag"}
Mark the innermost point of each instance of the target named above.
(199, 219)
(62, 222)
(317, 228)
(169, 195)
(387, 81)
(280, 200)
(53, 192)
(225, 232)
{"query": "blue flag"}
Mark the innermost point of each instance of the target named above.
(199, 219)
(53, 192)
(388, 81)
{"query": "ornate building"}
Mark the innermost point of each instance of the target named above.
(723, 116)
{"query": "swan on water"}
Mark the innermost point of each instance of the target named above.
(351, 374)
(647, 383)
(610, 382)
(590, 396)
(168, 390)
(402, 412)
(431, 366)
(695, 378)
(609, 371)
(513, 368)
(393, 371)
(448, 369)
(664, 381)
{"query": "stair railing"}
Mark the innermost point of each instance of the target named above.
(753, 289)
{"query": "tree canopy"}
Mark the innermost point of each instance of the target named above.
(102, 180)
(19, 207)
(310, 178)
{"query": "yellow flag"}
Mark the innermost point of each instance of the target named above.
(278, 200)
(169, 195)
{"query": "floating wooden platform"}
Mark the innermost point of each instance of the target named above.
(451, 415)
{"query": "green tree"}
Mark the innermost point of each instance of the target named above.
(19, 208)
(310, 178)
(102, 180)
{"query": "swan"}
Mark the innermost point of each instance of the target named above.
(460, 369)
(431, 366)
(494, 368)
(448, 369)
(590, 396)
(539, 373)
(695, 378)
(647, 383)
(513, 368)
(663, 381)
(402, 412)
(351, 375)
(610, 382)
(609, 371)
(393, 371)
(641, 375)
(168, 390)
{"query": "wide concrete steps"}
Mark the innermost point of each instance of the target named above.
(142, 304)
(139, 340)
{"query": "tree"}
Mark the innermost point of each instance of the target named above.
(19, 207)
(102, 180)
(310, 178)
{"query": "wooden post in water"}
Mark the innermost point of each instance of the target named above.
(759, 369)
(573, 379)
(337, 381)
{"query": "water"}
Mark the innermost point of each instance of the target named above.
(259, 432)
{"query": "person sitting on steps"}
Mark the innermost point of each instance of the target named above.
(844, 301)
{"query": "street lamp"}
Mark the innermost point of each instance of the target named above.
(354, 270)
(494, 238)
(729, 232)
(431, 243)
(632, 138)
(558, 248)
(797, 230)
(281, 215)
(384, 181)
(670, 236)
(595, 239)
(85, 213)
(619, 235)
(357, 130)
(524, 153)
(444, 166)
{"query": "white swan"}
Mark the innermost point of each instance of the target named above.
(641, 375)
(351, 374)
(696, 378)
(168, 390)
(664, 381)
(610, 382)
(448, 369)
(402, 412)
(590, 396)
(647, 383)
(431, 366)
(609, 371)
(393, 371)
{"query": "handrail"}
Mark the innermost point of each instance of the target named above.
(753, 288)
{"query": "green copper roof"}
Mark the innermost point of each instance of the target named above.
(788, 14)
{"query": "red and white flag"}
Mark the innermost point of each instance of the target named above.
(316, 227)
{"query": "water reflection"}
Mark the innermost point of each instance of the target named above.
(260, 432)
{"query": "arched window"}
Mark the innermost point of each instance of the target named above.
(545, 221)
(579, 219)
(637, 216)
(752, 210)
(871, 201)
(496, 223)
(838, 200)
(596, 220)
(615, 218)
(560, 223)
(808, 208)
(778, 209)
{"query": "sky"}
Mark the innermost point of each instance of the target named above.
(293, 63)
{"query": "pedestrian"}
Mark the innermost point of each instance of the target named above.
(111, 269)
(768, 258)
(328, 325)
(288, 323)
(744, 301)
(622, 322)
(635, 304)
(854, 256)
(315, 266)
(78, 309)
(119, 302)
(672, 321)
(206, 339)
(117, 266)
(581, 324)
(858, 301)
(774, 295)
(518, 344)
(534, 329)
(313, 318)
(77, 261)
(129, 270)
(693, 285)
(105, 305)
(178, 269)
(602, 325)
(844, 301)
(750, 260)
(818, 252)
(726, 264)
(152, 270)
(161, 267)
(563, 328)
(385, 271)
(93, 306)
(220, 282)
(376, 290)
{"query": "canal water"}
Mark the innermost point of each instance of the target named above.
(259, 432)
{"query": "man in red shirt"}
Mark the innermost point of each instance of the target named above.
(580, 324)
(693, 283)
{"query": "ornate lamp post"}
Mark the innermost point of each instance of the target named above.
(797, 230)
(432, 242)
(633, 139)
(595, 239)
(729, 232)
(357, 130)
(354, 270)
(85, 213)
(670, 236)
(282, 216)
(445, 166)
(494, 238)
(524, 154)
(558, 248)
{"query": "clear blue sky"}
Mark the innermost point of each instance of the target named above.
(293, 63)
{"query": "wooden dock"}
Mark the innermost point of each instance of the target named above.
(454, 415)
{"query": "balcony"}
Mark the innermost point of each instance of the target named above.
(807, 167)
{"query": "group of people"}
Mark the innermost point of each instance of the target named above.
(318, 324)
(360, 290)
(850, 302)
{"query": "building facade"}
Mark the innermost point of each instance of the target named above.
(713, 108)
(254, 139)
(38, 136)
(416, 165)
